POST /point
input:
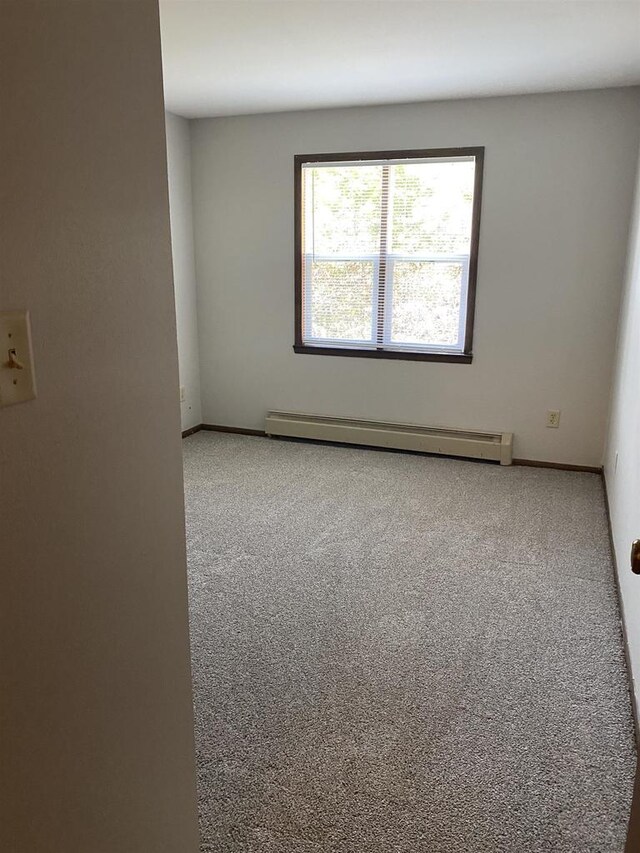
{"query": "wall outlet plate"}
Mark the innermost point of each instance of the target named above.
(553, 418)
(17, 380)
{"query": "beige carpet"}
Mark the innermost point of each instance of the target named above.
(402, 654)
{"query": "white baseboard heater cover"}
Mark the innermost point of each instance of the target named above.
(495, 446)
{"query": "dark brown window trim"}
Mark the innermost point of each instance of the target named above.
(459, 358)
(451, 358)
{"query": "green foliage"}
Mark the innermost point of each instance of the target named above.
(341, 305)
(430, 207)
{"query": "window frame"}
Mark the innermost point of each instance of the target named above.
(464, 357)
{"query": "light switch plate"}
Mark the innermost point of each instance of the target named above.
(17, 380)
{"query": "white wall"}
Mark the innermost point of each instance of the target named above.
(184, 277)
(96, 738)
(554, 222)
(623, 476)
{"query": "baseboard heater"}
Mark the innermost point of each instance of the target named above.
(494, 446)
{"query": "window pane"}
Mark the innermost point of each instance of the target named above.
(342, 210)
(341, 297)
(432, 205)
(426, 302)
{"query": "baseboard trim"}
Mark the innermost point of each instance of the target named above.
(191, 431)
(623, 624)
(234, 430)
(559, 466)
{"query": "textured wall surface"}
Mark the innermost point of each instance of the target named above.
(622, 463)
(557, 196)
(184, 277)
(97, 732)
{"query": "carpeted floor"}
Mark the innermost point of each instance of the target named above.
(402, 654)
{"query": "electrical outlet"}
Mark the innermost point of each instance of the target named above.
(553, 418)
(183, 393)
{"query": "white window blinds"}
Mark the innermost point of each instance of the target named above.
(385, 253)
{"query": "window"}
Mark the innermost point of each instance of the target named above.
(386, 249)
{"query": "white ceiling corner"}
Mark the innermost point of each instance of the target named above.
(230, 57)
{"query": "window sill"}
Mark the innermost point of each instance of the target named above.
(397, 355)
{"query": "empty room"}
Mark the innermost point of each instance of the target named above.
(403, 227)
(320, 426)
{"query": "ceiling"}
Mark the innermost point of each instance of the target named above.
(230, 57)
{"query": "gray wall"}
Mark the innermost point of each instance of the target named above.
(622, 461)
(554, 222)
(184, 276)
(97, 739)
